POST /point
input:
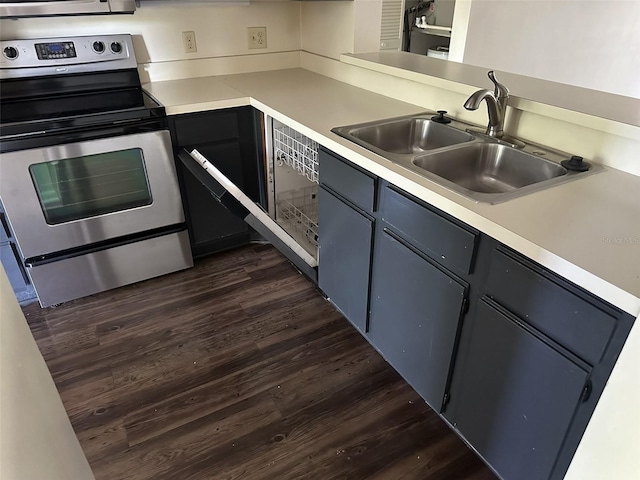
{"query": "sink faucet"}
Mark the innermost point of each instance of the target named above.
(496, 105)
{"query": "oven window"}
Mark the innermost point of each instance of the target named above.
(81, 187)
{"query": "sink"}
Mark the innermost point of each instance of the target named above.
(479, 167)
(405, 135)
(489, 167)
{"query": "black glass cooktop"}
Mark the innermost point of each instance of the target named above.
(70, 102)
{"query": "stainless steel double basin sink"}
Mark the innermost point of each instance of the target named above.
(476, 166)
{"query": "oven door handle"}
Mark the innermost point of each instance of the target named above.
(23, 135)
(237, 202)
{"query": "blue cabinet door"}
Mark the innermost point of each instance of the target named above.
(516, 396)
(415, 311)
(344, 257)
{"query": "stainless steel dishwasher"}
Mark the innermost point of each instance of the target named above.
(289, 216)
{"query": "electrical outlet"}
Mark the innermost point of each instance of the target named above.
(257, 37)
(189, 42)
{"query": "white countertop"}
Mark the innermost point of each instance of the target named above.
(37, 440)
(587, 230)
(577, 99)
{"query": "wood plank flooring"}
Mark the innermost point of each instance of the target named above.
(237, 369)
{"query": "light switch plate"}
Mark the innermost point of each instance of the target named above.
(257, 37)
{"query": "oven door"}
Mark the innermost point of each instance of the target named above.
(68, 196)
(230, 196)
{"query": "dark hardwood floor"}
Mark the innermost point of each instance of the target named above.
(237, 369)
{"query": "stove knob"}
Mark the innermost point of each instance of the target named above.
(10, 52)
(98, 47)
(116, 47)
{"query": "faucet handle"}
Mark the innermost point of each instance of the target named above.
(500, 90)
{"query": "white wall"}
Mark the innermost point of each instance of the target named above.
(327, 28)
(367, 17)
(589, 43)
(333, 28)
(220, 30)
(459, 29)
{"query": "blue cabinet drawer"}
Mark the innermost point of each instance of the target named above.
(448, 243)
(576, 320)
(348, 181)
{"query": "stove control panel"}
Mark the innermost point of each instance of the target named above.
(47, 56)
(48, 51)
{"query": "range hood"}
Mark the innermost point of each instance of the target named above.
(47, 8)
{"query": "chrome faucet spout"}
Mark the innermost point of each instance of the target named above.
(474, 101)
(496, 105)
